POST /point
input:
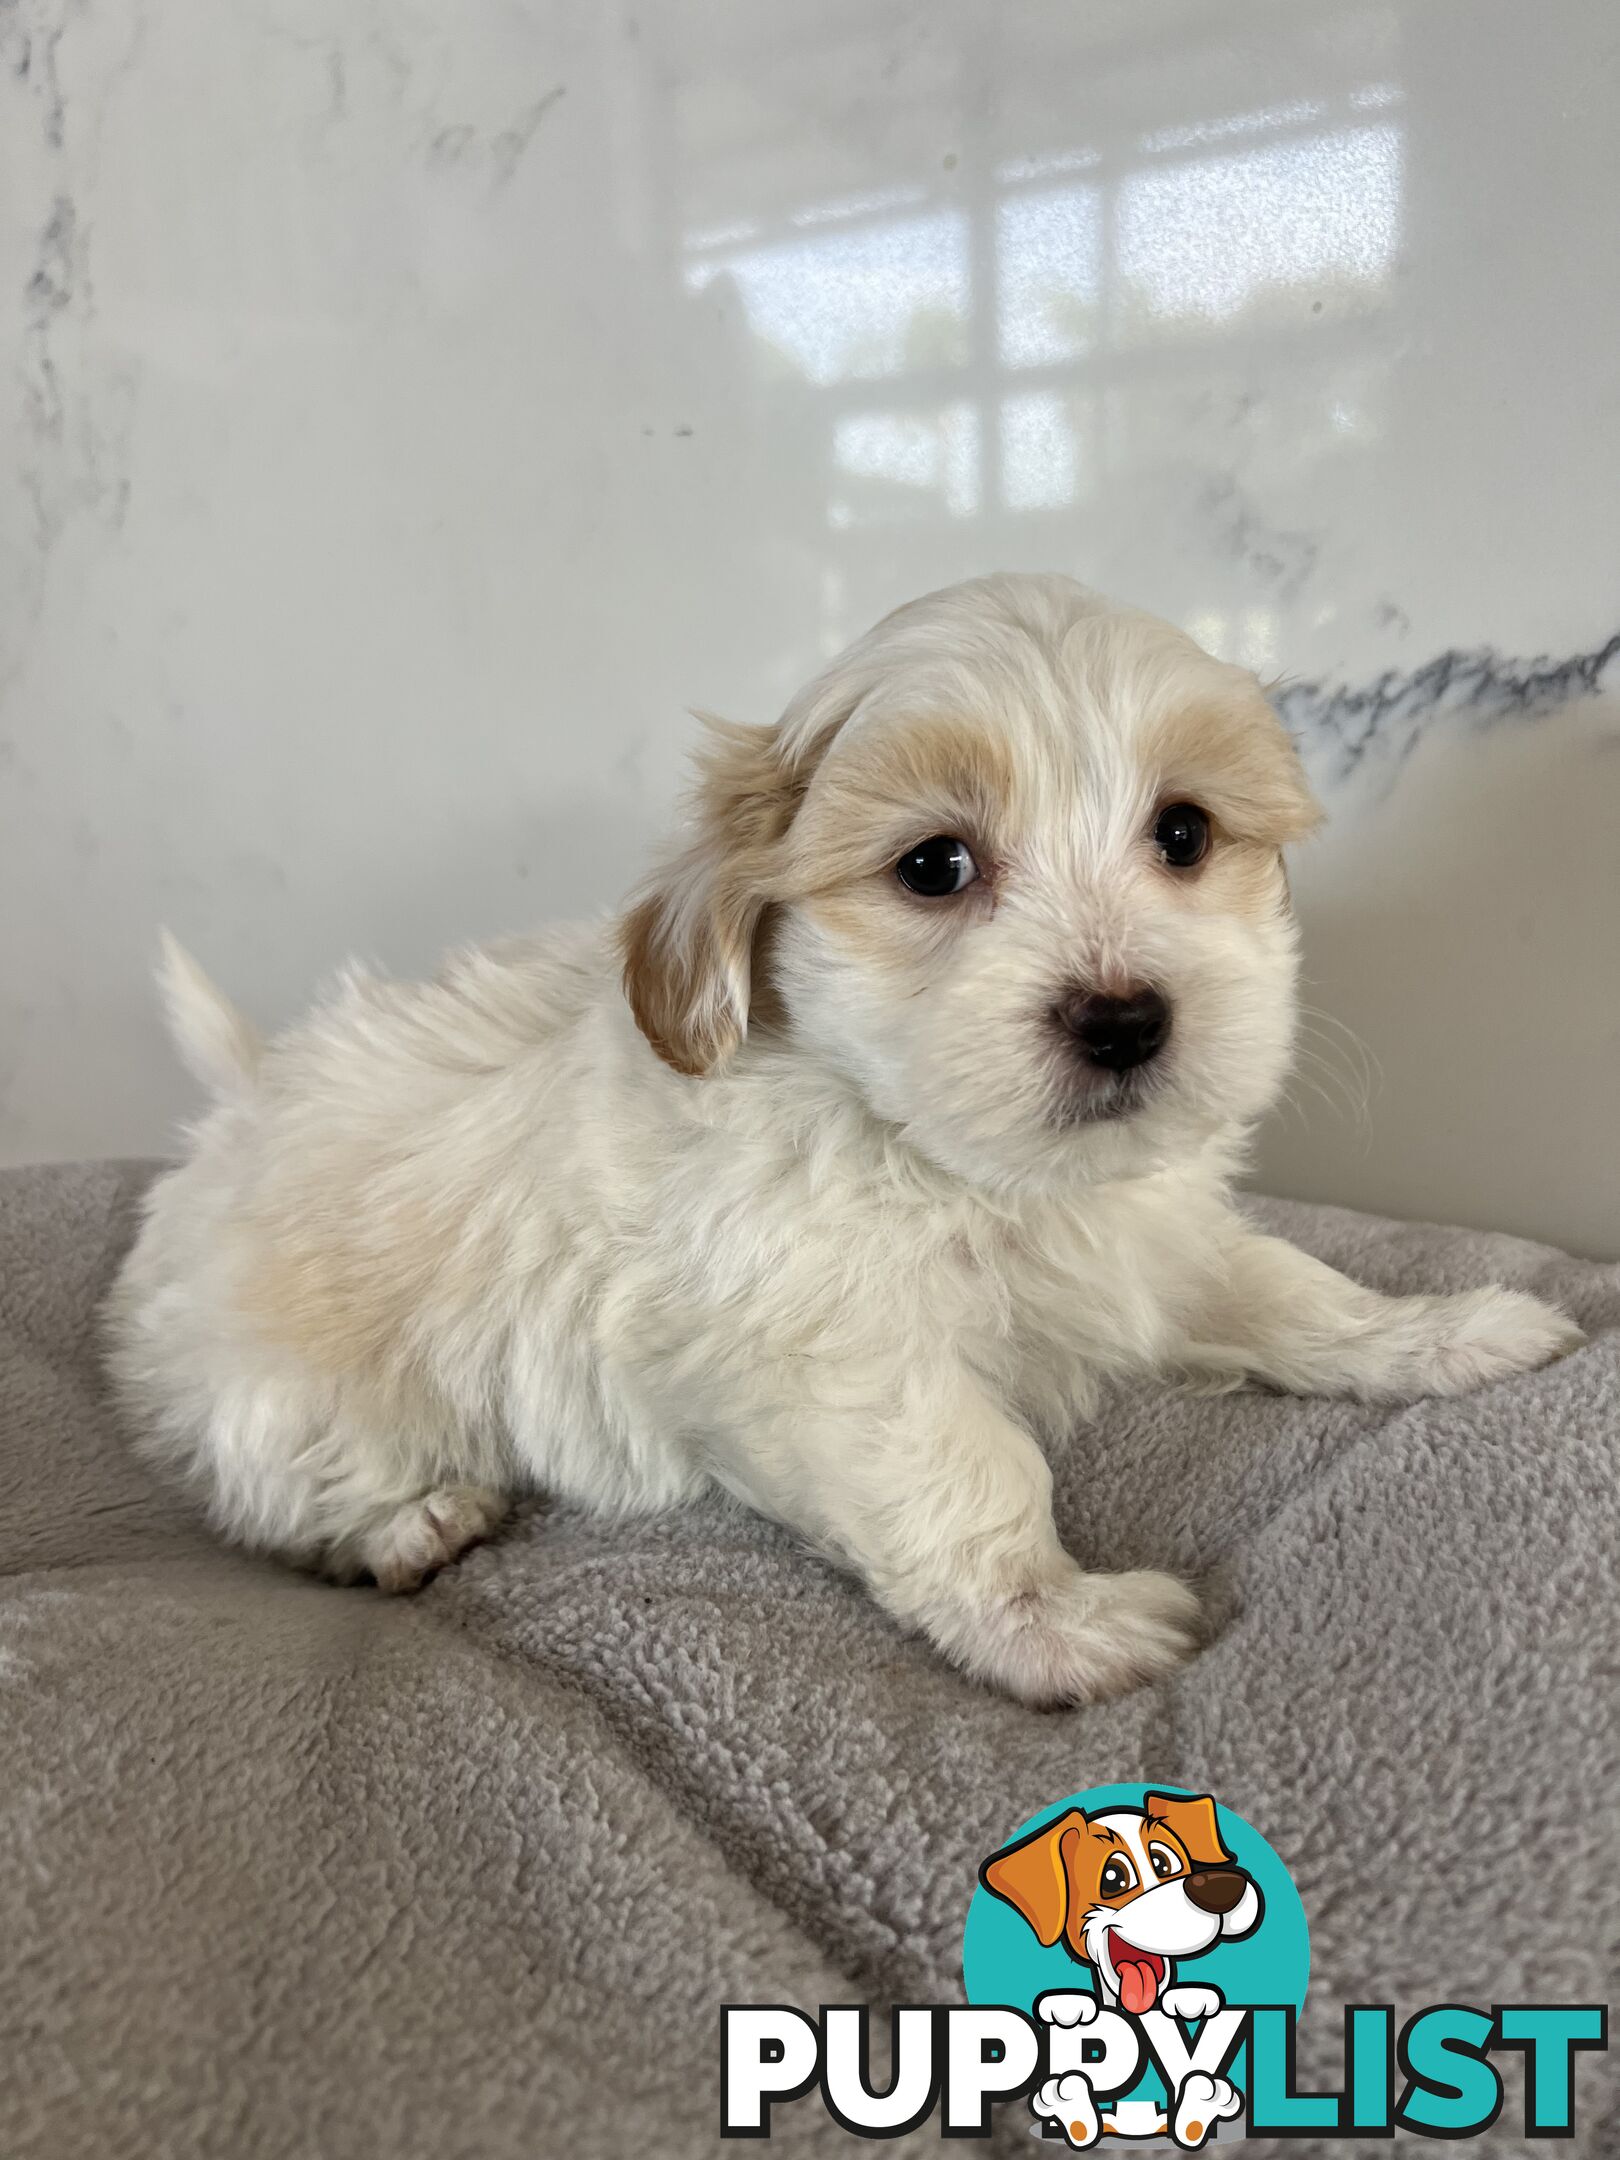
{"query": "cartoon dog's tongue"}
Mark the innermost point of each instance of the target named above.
(1139, 1972)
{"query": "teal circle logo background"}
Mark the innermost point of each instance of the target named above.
(1002, 1962)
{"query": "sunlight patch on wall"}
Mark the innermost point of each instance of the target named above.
(875, 300)
(1209, 238)
(892, 466)
(1040, 451)
(1049, 258)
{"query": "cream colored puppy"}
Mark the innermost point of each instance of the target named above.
(895, 1117)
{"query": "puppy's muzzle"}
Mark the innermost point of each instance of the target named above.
(1116, 1034)
(1216, 1890)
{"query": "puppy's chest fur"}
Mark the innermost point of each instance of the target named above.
(822, 1260)
(1053, 1305)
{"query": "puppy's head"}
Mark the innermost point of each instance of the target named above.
(1129, 1890)
(1019, 853)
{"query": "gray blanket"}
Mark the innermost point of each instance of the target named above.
(293, 1870)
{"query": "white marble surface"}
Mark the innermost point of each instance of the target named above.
(409, 410)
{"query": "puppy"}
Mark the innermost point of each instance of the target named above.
(894, 1117)
(1128, 1892)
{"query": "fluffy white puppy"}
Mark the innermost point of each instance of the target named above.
(895, 1117)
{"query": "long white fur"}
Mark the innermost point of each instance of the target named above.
(857, 1274)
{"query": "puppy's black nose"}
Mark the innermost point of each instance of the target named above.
(1117, 1033)
(1216, 1890)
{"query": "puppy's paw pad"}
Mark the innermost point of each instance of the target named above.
(427, 1534)
(1488, 1335)
(1067, 2102)
(1202, 2102)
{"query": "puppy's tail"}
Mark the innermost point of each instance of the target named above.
(217, 1045)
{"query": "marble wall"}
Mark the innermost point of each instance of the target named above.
(409, 410)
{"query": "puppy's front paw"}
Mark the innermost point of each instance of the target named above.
(1084, 1638)
(1191, 2002)
(427, 1534)
(1066, 2006)
(1486, 1335)
(1201, 2103)
(1067, 2103)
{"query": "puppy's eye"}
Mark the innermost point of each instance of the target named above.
(1165, 1863)
(1118, 1876)
(1182, 835)
(936, 867)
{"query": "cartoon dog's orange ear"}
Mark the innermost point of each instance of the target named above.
(1194, 1821)
(1033, 1875)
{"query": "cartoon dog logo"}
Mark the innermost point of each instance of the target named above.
(1132, 1893)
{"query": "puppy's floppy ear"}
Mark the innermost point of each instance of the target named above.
(1033, 1875)
(688, 941)
(1272, 772)
(1195, 1822)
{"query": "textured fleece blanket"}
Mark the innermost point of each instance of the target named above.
(293, 1870)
